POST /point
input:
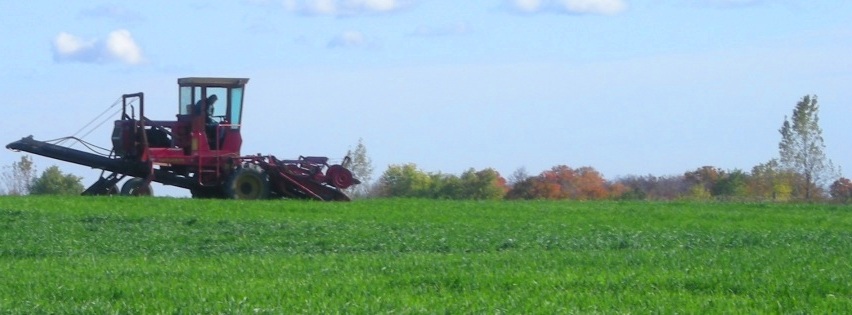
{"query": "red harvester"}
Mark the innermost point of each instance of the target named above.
(199, 151)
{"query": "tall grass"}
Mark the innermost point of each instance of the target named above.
(158, 255)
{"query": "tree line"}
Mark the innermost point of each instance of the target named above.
(766, 182)
(801, 172)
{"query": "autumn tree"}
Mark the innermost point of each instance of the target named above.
(18, 177)
(762, 181)
(617, 190)
(53, 182)
(555, 183)
(590, 184)
(841, 190)
(802, 149)
(769, 181)
(561, 182)
(702, 181)
(362, 168)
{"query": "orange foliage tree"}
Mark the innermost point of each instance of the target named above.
(562, 182)
(589, 185)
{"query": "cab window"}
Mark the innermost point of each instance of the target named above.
(186, 100)
(236, 107)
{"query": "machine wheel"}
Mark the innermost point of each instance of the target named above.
(136, 187)
(247, 183)
(338, 176)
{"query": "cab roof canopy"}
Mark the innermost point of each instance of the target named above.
(208, 81)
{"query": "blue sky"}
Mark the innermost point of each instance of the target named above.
(625, 86)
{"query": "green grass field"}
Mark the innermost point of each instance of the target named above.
(159, 255)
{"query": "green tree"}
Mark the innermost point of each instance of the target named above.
(731, 184)
(698, 192)
(53, 182)
(361, 166)
(18, 177)
(802, 149)
(445, 186)
(486, 184)
(405, 181)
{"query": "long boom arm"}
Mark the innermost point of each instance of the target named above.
(130, 168)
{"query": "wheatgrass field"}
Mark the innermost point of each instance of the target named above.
(111, 255)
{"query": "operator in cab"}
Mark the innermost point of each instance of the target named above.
(210, 100)
(209, 123)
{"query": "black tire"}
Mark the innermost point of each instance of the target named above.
(247, 183)
(136, 187)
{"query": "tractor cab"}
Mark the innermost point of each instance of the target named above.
(204, 138)
(209, 113)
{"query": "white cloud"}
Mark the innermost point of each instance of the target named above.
(607, 7)
(604, 7)
(343, 7)
(527, 5)
(67, 47)
(68, 44)
(322, 6)
(121, 46)
(118, 47)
